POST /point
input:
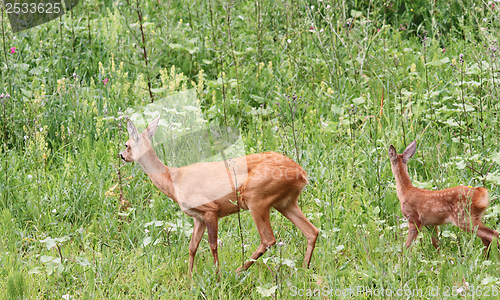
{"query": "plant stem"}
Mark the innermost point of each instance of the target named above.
(144, 51)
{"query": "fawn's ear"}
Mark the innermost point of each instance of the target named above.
(132, 131)
(409, 151)
(152, 127)
(392, 153)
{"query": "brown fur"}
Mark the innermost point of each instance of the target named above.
(462, 206)
(266, 180)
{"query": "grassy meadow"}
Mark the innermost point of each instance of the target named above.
(331, 84)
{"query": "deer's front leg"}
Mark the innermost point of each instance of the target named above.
(198, 230)
(414, 227)
(211, 222)
(261, 218)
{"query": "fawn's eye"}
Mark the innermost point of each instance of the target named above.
(126, 146)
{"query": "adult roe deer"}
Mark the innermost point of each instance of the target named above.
(209, 191)
(461, 205)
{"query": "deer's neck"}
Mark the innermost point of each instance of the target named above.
(402, 177)
(158, 173)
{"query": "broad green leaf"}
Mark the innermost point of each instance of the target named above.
(35, 270)
(193, 50)
(49, 242)
(27, 93)
(176, 46)
(191, 108)
(488, 280)
(356, 13)
(266, 291)
(82, 261)
(358, 100)
(146, 241)
(288, 262)
(336, 109)
(159, 90)
(451, 122)
(46, 258)
(496, 158)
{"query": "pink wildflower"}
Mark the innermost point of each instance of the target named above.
(12, 50)
(105, 81)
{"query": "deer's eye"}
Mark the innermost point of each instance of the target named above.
(126, 145)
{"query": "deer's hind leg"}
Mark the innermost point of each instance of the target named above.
(486, 234)
(293, 213)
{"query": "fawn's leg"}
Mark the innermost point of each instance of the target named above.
(486, 234)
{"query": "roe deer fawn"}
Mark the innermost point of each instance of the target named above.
(209, 191)
(461, 205)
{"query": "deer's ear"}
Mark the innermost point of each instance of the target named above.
(392, 152)
(409, 151)
(132, 131)
(152, 127)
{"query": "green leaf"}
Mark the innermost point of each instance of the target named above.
(488, 280)
(27, 93)
(494, 177)
(191, 108)
(35, 270)
(451, 122)
(159, 90)
(356, 13)
(336, 109)
(49, 242)
(62, 239)
(460, 165)
(50, 267)
(496, 158)
(288, 262)
(438, 63)
(266, 291)
(176, 46)
(258, 98)
(82, 261)
(193, 50)
(358, 100)
(146, 241)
